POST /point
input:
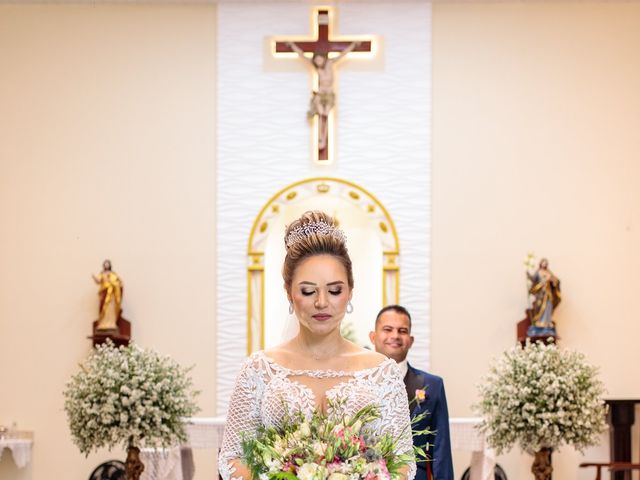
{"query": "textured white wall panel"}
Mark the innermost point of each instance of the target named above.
(384, 141)
(383, 144)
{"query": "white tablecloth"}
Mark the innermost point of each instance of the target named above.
(465, 436)
(166, 464)
(21, 449)
(161, 464)
(206, 432)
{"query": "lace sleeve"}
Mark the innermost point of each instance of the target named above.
(394, 410)
(243, 415)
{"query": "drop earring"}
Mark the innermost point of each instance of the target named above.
(349, 308)
(290, 308)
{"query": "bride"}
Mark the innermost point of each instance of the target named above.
(318, 365)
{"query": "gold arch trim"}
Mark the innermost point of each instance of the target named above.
(289, 195)
(321, 188)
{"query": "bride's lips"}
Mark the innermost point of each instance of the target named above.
(322, 316)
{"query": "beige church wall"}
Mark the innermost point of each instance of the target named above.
(107, 149)
(536, 113)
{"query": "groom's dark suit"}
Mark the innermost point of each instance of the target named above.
(441, 467)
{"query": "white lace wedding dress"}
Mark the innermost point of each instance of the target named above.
(264, 389)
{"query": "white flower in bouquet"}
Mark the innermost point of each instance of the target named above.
(338, 476)
(128, 396)
(541, 396)
(319, 448)
(308, 471)
(305, 430)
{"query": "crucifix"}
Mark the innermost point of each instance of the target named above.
(324, 55)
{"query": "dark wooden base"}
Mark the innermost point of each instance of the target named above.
(121, 336)
(542, 467)
(133, 464)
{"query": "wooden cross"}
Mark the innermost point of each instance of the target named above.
(323, 95)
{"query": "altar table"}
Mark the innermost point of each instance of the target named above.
(20, 447)
(465, 436)
(206, 432)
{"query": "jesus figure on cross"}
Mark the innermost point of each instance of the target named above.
(322, 99)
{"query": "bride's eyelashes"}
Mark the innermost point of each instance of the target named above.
(306, 293)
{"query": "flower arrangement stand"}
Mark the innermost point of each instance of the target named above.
(542, 467)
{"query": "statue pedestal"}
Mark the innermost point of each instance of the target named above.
(523, 327)
(121, 336)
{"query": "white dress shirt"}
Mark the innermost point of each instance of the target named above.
(404, 367)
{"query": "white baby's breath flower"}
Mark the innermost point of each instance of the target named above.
(128, 394)
(541, 396)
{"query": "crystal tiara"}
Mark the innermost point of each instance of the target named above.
(314, 228)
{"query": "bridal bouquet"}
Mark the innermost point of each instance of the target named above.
(324, 447)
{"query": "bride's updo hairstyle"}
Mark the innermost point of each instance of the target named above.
(314, 233)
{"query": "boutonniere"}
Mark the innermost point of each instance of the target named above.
(420, 395)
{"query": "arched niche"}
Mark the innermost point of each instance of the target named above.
(373, 246)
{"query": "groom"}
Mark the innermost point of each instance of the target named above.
(392, 337)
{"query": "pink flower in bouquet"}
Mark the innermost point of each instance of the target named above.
(363, 445)
(334, 466)
(383, 467)
(350, 439)
(377, 471)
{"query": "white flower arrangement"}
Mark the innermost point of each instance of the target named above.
(540, 396)
(128, 395)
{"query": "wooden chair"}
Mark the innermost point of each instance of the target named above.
(625, 467)
(621, 417)
(111, 470)
(498, 475)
